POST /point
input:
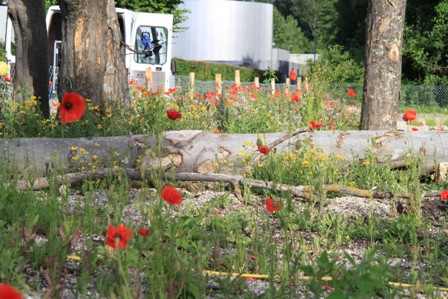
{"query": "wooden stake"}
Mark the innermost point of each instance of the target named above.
(237, 78)
(191, 85)
(149, 85)
(288, 85)
(218, 84)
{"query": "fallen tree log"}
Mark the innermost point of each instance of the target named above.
(203, 152)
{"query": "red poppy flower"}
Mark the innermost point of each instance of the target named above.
(273, 206)
(50, 83)
(292, 75)
(414, 129)
(7, 78)
(209, 95)
(332, 125)
(139, 88)
(9, 292)
(314, 124)
(216, 131)
(264, 149)
(444, 195)
(118, 237)
(351, 92)
(171, 195)
(328, 287)
(132, 81)
(173, 114)
(409, 115)
(295, 98)
(72, 108)
(143, 232)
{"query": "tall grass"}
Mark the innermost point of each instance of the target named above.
(53, 241)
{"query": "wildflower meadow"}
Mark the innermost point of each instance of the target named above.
(359, 230)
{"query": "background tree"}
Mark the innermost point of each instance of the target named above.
(350, 26)
(426, 42)
(314, 17)
(382, 79)
(335, 65)
(289, 36)
(92, 52)
(31, 68)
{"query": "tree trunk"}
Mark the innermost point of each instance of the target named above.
(92, 54)
(203, 152)
(31, 68)
(382, 80)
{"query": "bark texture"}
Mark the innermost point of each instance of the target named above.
(203, 152)
(92, 54)
(382, 79)
(31, 68)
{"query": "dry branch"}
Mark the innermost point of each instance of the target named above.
(305, 192)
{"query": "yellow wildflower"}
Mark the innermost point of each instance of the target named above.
(248, 143)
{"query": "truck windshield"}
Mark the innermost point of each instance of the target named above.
(151, 45)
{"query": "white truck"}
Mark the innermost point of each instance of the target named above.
(148, 37)
(6, 33)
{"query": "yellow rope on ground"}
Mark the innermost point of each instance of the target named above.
(266, 276)
(325, 278)
(74, 258)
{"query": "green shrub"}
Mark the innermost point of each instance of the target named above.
(206, 71)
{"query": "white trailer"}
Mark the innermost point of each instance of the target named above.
(6, 33)
(148, 37)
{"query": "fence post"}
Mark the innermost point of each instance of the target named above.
(273, 86)
(237, 78)
(191, 85)
(306, 85)
(218, 84)
(288, 85)
(149, 79)
(299, 83)
(257, 82)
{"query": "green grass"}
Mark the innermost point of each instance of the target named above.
(50, 235)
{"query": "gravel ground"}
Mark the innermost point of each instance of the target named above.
(196, 197)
